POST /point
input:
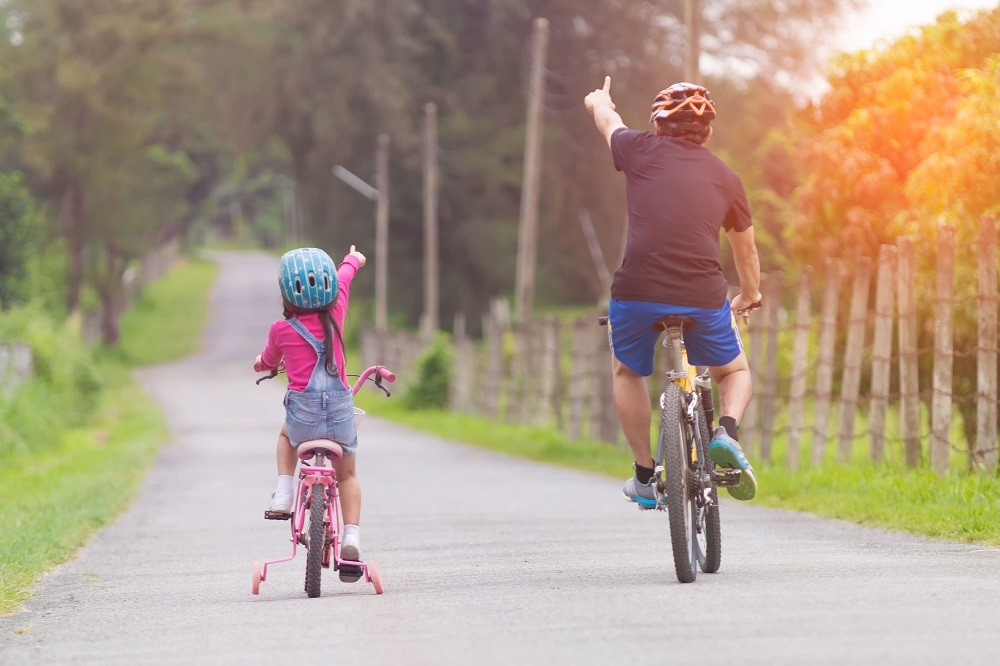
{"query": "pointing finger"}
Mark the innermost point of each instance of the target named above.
(607, 84)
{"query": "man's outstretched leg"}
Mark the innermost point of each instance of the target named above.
(634, 413)
(735, 389)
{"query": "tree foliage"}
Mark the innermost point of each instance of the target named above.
(144, 118)
(906, 140)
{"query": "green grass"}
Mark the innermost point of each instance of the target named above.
(958, 506)
(51, 502)
(166, 321)
(54, 496)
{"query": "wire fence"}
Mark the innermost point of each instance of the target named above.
(867, 370)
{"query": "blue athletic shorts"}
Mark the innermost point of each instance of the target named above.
(713, 340)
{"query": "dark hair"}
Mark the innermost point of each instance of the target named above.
(690, 131)
(329, 327)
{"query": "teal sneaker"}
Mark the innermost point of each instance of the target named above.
(726, 452)
(640, 493)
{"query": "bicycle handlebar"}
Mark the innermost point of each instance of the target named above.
(380, 371)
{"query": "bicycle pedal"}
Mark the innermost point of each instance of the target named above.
(276, 515)
(350, 573)
(727, 477)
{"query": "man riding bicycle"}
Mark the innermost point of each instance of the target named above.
(679, 196)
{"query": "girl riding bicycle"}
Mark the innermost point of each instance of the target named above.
(319, 403)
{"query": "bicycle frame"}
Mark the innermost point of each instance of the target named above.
(694, 389)
(309, 475)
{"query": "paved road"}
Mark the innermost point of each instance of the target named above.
(485, 559)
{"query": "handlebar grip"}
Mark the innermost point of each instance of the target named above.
(257, 367)
(386, 374)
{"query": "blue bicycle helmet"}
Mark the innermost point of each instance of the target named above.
(308, 278)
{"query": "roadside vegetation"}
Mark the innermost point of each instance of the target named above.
(958, 507)
(77, 438)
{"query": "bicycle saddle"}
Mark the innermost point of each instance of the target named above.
(328, 447)
(663, 323)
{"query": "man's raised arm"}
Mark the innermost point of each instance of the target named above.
(603, 109)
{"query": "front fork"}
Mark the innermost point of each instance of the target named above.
(700, 398)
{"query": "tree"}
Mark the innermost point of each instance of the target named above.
(19, 226)
(95, 81)
(878, 146)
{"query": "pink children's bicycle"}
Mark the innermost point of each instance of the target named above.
(318, 497)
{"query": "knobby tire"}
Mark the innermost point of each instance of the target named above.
(712, 559)
(317, 539)
(674, 458)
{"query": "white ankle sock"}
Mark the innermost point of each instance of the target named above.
(284, 484)
(352, 530)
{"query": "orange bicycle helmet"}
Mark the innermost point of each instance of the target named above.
(685, 110)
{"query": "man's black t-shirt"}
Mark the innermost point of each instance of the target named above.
(679, 196)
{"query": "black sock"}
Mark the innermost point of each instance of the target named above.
(643, 474)
(729, 423)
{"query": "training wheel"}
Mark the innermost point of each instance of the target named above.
(374, 579)
(256, 578)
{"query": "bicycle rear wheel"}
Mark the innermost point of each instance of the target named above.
(673, 454)
(710, 558)
(317, 539)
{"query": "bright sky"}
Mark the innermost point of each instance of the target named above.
(889, 19)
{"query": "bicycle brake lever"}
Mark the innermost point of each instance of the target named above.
(378, 383)
(272, 375)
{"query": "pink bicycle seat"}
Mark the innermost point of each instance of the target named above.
(328, 447)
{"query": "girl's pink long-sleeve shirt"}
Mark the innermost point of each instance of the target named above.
(283, 342)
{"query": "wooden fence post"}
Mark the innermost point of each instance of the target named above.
(824, 363)
(944, 348)
(533, 409)
(603, 418)
(882, 350)
(495, 325)
(551, 369)
(850, 383)
(750, 425)
(800, 368)
(772, 313)
(579, 376)
(463, 368)
(986, 363)
(519, 362)
(909, 380)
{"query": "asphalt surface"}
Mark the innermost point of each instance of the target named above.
(485, 559)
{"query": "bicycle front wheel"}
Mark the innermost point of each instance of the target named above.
(317, 539)
(674, 454)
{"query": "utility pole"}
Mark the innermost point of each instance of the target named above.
(430, 320)
(692, 19)
(382, 233)
(527, 251)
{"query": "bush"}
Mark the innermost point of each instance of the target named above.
(66, 382)
(433, 377)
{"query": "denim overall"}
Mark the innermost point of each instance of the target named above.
(325, 408)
